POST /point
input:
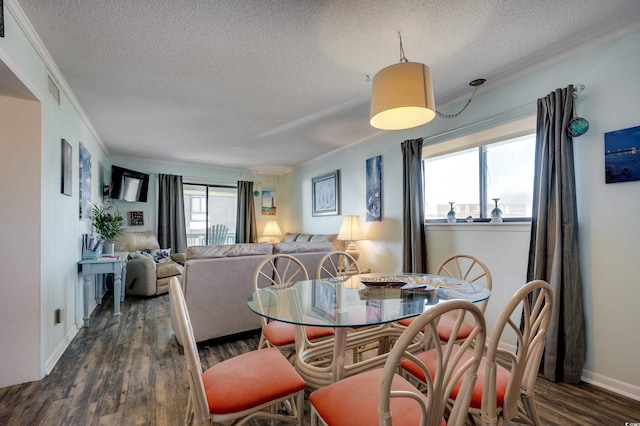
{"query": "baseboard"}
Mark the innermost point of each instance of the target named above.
(622, 388)
(613, 385)
(55, 356)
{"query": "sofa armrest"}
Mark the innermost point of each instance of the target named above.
(141, 277)
(178, 258)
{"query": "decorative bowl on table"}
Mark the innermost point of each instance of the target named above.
(383, 281)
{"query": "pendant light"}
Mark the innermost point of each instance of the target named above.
(402, 96)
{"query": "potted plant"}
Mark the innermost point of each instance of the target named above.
(107, 225)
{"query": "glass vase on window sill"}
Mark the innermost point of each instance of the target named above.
(496, 213)
(451, 216)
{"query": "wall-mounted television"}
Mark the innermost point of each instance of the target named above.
(128, 185)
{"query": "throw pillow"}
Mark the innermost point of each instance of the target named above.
(160, 255)
(139, 254)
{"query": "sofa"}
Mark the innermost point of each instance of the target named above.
(217, 280)
(149, 267)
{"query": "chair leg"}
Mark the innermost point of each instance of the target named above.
(314, 417)
(300, 407)
(529, 404)
(188, 417)
(263, 344)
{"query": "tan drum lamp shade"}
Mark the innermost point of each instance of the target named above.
(402, 97)
(271, 229)
(351, 230)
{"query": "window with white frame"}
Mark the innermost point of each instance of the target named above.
(471, 177)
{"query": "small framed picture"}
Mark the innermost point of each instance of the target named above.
(136, 218)
(65, 177)
(326, 194)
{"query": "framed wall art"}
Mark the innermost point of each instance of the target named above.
(136, 218)
(65, 167)
(374, 189)
(1, 18)
(326, 194)
(268, 203)
(84, 183)
(622, 155)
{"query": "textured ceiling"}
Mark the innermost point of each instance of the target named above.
(268, 85)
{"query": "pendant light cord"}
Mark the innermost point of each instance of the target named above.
(441, 115)
(475, 83)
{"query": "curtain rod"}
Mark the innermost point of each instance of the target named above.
(577, 89)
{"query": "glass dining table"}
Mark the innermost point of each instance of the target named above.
(360, 308)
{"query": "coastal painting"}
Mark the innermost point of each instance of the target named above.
(84, 183)
(268, 203)
(374, 189)
(622, 155)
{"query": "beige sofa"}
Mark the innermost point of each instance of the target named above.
(144, 277)
(217, 281)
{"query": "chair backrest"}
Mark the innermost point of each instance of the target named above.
(469, 268)
(336, 263)
(535, 301)
(453, 367)
(278, 269)
(218, 234)
(197, 397)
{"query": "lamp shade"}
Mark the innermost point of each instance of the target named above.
(271, 229)
(351, 229)
(402, 97)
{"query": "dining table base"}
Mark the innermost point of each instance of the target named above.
(322, 363)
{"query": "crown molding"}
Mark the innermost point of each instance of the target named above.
(25, 25)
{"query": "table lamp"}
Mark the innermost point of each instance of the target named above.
(351, 231)
(272, 229)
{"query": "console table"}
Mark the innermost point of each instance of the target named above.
(115, 265)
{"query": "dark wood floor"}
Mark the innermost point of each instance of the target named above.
(132, 373)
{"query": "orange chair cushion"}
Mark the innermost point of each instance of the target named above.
(354, 401)
(282, 333)
(445, 325)
(429, 358)
(248, 380)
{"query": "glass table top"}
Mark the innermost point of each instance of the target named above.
(360, 300)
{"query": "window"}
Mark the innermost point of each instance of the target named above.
(208, 205)
(471, 178)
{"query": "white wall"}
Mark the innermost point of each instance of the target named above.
(20, 210)
(607, 213)
(41, 229)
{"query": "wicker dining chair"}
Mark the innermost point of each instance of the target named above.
(502, 394)
(383, 397)
(465, 267)
(279, 269)
(254, 384)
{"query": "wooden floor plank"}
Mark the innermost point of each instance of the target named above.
(133, 373)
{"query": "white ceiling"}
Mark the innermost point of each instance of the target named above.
(268, 85)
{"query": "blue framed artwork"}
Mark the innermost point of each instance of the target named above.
(1, 18)
(84, 179)
(65, 166)
(622, 155)
(374, 189)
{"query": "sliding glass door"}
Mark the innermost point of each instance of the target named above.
(210, 214)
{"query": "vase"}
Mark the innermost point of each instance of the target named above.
(107, 249)
(451, 216)
(496, 213)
